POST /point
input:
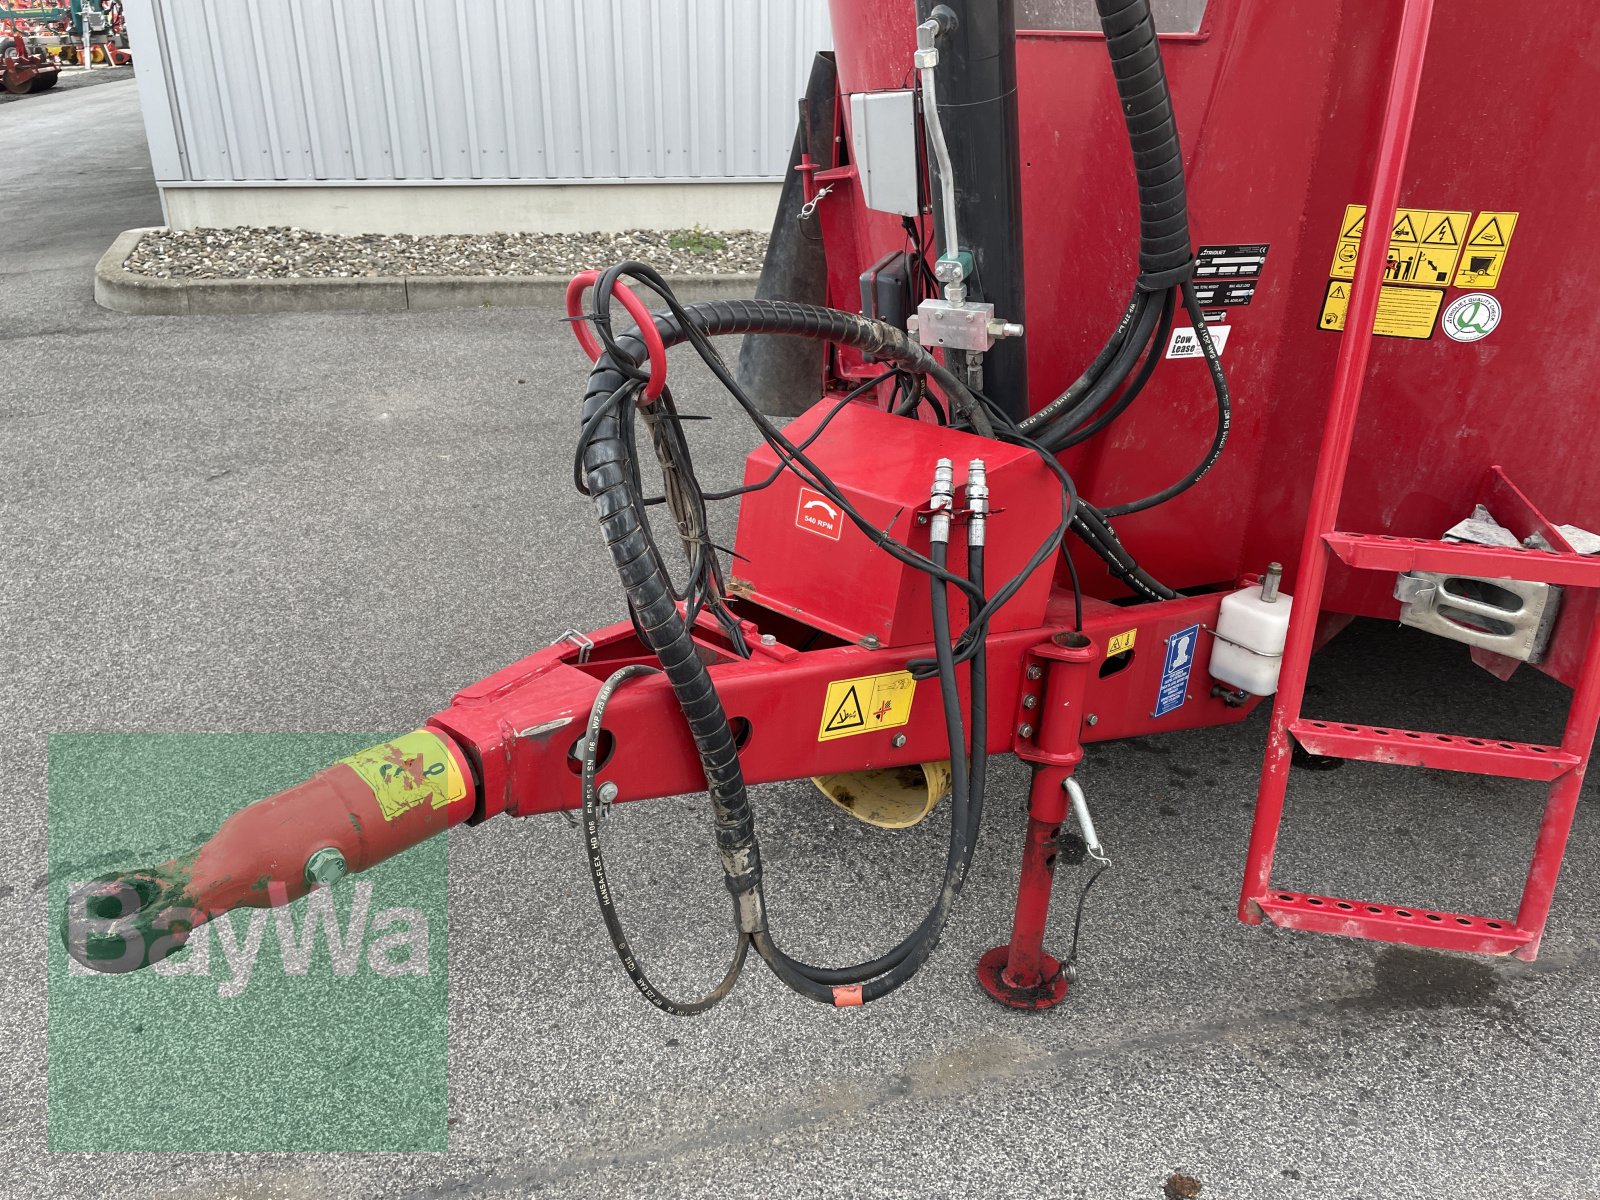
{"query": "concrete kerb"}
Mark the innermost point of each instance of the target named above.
(143, 295)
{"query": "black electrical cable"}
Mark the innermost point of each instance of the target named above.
(588, 749)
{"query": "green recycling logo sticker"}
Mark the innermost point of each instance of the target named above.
(1471, 318)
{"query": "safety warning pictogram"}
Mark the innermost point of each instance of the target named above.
(846, 714)
(1402, 312)
(1424, 245)
(1485, 254)
(866, 704)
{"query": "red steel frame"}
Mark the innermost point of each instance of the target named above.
(1562, 766)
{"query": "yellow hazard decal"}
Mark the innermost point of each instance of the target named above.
(1424, 244)
(1122, 643)
(867, 704)
(1485, 253)
(1402, 312)
(409, 771)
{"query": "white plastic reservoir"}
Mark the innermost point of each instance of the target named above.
(1251, 628)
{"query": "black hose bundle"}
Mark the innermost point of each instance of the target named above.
(1166, 268)
(609, 475)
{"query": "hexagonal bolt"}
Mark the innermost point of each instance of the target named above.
(1030, 702)
(326, 867)
(1035, 671)
(1025, 731)
(898, 740)
(608, 793)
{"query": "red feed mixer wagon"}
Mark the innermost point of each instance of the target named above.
(1129, 357)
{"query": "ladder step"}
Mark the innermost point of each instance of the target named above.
(1426, 927)
(1381, 552)
(1443, 751)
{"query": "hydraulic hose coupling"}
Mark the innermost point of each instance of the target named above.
(977, 501)
(941, 499)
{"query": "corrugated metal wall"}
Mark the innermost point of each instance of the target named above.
(263, 91)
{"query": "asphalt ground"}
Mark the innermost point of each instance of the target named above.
(201, 520)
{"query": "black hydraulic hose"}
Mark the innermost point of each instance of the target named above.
(1135, 51)
(1146, 323)
(588, 749)
(608, 475)
(1135, 385)
(978, 701)
(963, 837)
(1219, 439)
(1084, 382)
(1165, 256)
(1095, 532)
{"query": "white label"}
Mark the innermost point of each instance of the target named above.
(1184, 343)
(1470, 318)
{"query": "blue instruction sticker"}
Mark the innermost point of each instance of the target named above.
(1175, 671)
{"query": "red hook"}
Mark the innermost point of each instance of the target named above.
(636, 309)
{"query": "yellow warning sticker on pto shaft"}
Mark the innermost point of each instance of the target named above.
(867, 704)
(409, 771)
(1402, 312)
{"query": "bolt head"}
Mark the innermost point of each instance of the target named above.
(768, 639)
(608, 793)
(870, 642)
(1035, 671)
(326, 867)
(1091, 719)
(898, 740)
(1030, 702)
(1025, 731)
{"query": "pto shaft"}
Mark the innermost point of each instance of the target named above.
(363, 809)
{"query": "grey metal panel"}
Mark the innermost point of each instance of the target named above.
(301, 91)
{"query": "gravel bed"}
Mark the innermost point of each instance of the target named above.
(281, 253)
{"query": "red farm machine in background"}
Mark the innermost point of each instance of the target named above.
(1077, 321)
(25, 62)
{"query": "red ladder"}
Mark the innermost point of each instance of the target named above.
(1561, 766)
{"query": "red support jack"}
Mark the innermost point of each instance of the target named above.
(1020, 974)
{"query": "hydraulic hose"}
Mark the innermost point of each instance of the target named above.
(1164, 252)
(906, 959)
(602, 885)
(607, 466)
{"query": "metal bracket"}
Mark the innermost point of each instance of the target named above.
(582, 641)
(1509, 616)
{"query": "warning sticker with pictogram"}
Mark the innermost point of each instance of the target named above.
(1424, 244)
(816, 512)
(866, 704)
(1402, 312)
(1485, 252)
